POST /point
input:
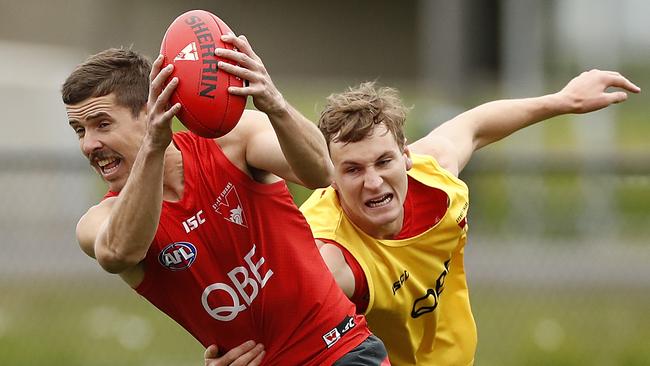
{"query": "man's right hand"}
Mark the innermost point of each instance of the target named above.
(159, 131)
(248, 353)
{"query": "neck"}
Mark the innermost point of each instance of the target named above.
(390, 230)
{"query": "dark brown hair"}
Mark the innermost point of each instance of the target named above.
(123, 72)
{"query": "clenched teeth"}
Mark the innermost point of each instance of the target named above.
(383, 200)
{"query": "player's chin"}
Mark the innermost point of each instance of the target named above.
(382, 216)
(116, 184)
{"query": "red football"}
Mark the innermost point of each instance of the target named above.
(189, 43)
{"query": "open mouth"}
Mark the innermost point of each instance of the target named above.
(380, 201)
(108, 165)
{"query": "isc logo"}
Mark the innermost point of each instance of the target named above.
(398, 284)
(193, 222)
(177, 256)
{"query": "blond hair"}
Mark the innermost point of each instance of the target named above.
(352, 115)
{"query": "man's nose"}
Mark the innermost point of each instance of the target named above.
(90, 143)
(372, 180)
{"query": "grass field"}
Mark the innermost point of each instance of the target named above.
(562, 327)
(81, 323)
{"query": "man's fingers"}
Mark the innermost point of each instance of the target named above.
(246, 354)
(241, 43)
(155, 67)
(234, 56)
(238, 71)
(251, 357)
(235, 90)
(616, 97)
(211, 352)
(158, 82)
(166, 94)
(258, 360)
(615, 79)
(624, 83)
(167, 116)
(236, 352)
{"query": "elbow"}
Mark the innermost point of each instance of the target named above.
(316, 184)
(325, 178)
(115, 262)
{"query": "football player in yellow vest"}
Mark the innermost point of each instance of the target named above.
(393, 225)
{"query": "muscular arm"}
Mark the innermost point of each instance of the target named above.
(124, 236)
(263, 151)
(302, 154)
(292, 147)
(119, 233)
(454, 141)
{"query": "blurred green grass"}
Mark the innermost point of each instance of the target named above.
(559, 326)
(78, 324)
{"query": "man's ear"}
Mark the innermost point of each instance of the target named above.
(144, 112)
(335, 186)
(407, 157)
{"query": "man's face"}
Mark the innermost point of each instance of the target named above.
(371, 182)
(109, 136)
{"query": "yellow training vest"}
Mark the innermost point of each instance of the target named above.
(419, 302)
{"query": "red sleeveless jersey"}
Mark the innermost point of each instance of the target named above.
(235, 260)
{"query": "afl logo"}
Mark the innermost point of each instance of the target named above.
(177, 256)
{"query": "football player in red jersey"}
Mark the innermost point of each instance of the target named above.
(206, 229)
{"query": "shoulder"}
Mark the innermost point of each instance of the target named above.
(90, 223)
(322, 205)
(249, 124)
(332, 255)
(253, 116)
(441, 149)
(337, 263)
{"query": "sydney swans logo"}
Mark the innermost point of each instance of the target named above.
(229, 206)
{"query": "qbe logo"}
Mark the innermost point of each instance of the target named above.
(247, 282)
(177, 256)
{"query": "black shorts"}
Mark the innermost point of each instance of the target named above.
(370, 352)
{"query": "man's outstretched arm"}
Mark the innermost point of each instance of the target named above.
(454, 142)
